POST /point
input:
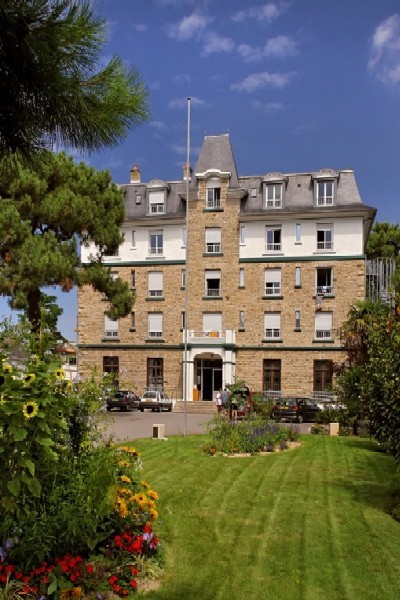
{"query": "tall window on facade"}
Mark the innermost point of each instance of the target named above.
(184, 237)
(213, 284)
(297, 320)
(156, 283)
(324, 281)
(273, 282)
(297, 277)
(212, 324)
(213, 199)
(155, 325)
(324, 193)
(323, 325)
(133, 238)
(323, 375)
(110, 327)
(156, 242)
(273, 195)
(133, 321)
(241, 277)
(213, 240)
(241, 320)
(243, 234)
(271, 375)
(272, 325)
(156, 202)
(111, 369)
(325, 236)
(155, 373)
(183, 278)
(298, 233)
(133, 279)
(273, 238)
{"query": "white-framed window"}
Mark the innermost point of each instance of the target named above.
(297, 277)
(213, 196)
(110, 327)
(184, 236)
(273, 278)
(273, 238)
(241, 277)
(156, 282)
(155, 325)
(323, 325)
(324, 236)
(133, 238)
(253, 192)
(272, 325)
(212, 324)
(213, 240)
(273, 195)
(156, 202)
(298, 233)
(324, 281)
(242, 234)
(324, 192)
(213, 284)
(297, 319)
(133, 279)
(183, 278)
(138, 198)
(241, 319)
(156, 242)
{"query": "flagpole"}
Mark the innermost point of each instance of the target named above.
(185, 366)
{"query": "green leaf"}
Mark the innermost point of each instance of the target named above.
(52, 587)
(45, 441)
(19, 433)
(14, 486)
(34, 487)
(30, 465)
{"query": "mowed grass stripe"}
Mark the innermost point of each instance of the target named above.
(305, 524)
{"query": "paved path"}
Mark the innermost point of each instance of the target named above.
(135, 425)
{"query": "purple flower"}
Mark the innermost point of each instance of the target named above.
(8, 544)
(3, 554)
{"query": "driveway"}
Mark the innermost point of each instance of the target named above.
(135, 425)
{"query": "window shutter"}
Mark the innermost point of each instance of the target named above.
(155, 280)
(272, 275)
(155, 321)
(212, 322)
(110, 324)
(323, 321)
(213, 235)
(156, 197)
(272, 321)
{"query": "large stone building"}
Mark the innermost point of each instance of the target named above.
(265, 273)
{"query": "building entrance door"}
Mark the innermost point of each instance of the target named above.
(208, 377)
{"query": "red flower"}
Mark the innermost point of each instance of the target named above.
(132, 582)
(9, 569)
(89, 569)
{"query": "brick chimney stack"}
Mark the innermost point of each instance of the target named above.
(135, 174)
(187, 172)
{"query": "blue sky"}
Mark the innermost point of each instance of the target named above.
(300, 85)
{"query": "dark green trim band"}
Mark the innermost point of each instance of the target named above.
(300, 259)
(139, 263)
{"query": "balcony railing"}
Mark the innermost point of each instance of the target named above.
(324, 290)
(323, 334)
(156, 250)
(213, 337)
(324, 245)
(274, 290)
(155, 293)
(213, 292)
(274, 247)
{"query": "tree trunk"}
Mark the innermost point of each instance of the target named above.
(33, 298)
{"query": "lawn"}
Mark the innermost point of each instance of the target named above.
(309, 523)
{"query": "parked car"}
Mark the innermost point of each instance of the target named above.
(294, 409)
(155, 401)
(123, 399)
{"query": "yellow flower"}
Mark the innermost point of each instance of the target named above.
(129, 450)
(60, 374)
(30, 409)
(122, 508)
(125, 479)
(153, 514)
(123, 463)
(145, 484)
(152, 494)
(29, 378)
(150, 503)
(7, 368)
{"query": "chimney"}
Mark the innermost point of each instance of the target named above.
(187, 172)
(135, 174)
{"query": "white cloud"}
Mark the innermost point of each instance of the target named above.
(267, 12)
(255, 81)
(215, 43)
(281, 46)
(385, 50)
(158, 125)
(189, 27)
(140, 27)
(182, 102)
(182, 78)
(269, 107)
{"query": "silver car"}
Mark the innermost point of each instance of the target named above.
(155, 401)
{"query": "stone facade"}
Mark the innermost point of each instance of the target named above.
(317, 258)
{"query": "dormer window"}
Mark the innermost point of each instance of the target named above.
(156, 202)
(213, 197)
(324, 187)
(273, 195)
(274, 189)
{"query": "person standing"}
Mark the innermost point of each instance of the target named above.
(218, 400)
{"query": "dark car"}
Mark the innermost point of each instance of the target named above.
(294, 409)
(123, 399)
(155, 401)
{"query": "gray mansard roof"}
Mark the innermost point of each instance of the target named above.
(216, 159)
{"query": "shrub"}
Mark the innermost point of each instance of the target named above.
(251, 435)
